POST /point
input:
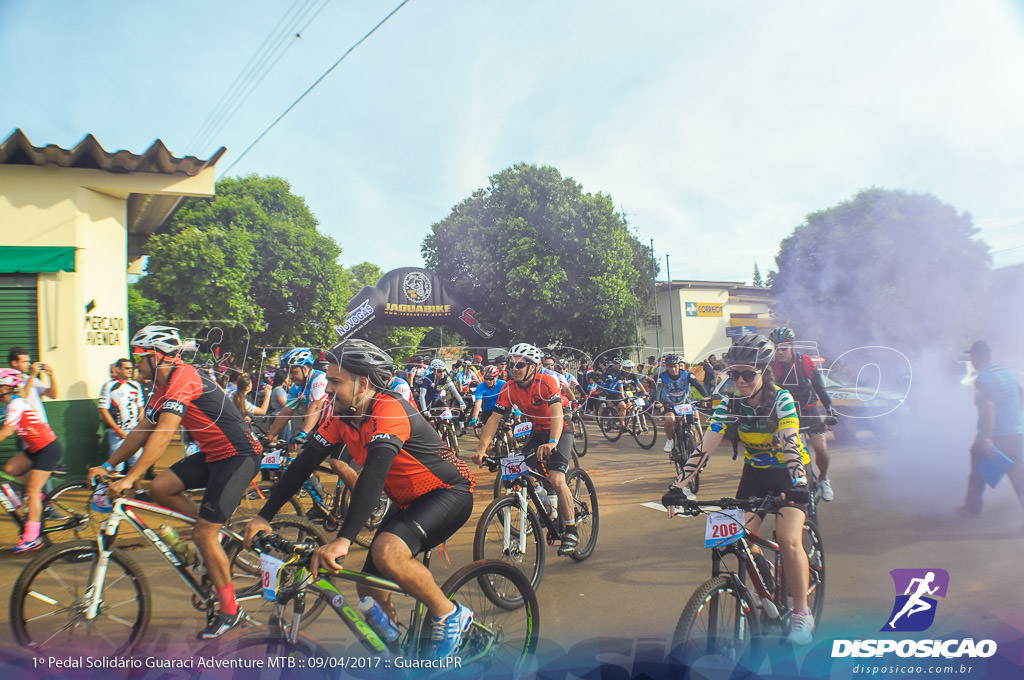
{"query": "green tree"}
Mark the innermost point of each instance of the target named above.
(533, 253)
(757, 281)
(141, 310)
(252, 254)
(401, 341)
(868, 272)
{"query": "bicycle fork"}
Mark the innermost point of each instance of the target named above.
(524, 510)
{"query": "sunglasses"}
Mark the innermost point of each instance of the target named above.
(520, 364)
(747, 375)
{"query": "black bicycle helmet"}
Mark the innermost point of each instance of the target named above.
(363, 358)
(673, 360)
(783, 334)
(749, 350)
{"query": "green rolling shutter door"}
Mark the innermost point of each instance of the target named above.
(19, 326)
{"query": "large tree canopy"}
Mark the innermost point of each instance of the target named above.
(251, 254)
(532, 252)
(884, 268)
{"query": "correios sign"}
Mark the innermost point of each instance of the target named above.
(411, 296)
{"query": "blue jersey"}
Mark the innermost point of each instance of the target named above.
(489, 395)
(998, 385)
(315, 389)
(676, 391)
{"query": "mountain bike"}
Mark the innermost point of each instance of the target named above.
(92, 598)
(725, 620)
(501, 639)
(443, 419)
(640, 422)
(520, 433)
(686, 439)
(579, 442)
(67, 509)
(608, 419)
(511, 527)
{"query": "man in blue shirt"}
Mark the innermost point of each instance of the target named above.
(997, 395)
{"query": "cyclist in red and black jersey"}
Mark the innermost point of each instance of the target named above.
(539, 396)
(400, 453)
(227, 460)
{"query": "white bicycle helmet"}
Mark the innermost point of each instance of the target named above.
(628, 363)
(527, 351)
(438, 365)
(152, 338)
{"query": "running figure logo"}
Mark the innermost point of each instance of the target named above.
(914, 610)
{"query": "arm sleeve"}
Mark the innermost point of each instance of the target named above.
(298, 471)
(379, 456)
(819, 386)
(423, 398)
(697, 385)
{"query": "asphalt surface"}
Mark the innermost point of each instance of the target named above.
(628, 596)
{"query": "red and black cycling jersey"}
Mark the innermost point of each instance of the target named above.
(206, 412)
(421, 463)
(534, 401)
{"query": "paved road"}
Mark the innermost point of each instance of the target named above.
(892, 511)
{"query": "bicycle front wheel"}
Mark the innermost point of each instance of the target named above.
(608, 422)
(584, 497)
(579, 442)
(49, 602)
(247, 577)
(643, 429)
(498, 534)
(717, 629)
(500, 641)
(68, 513)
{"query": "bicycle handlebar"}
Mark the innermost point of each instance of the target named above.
(753, 504)
(303, 550)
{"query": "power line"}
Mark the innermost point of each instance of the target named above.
(242, 76)
(317, 82)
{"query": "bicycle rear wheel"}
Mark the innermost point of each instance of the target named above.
(497, 538)
(48, 602)
(256, 494)
(369, 530)
(718, 628)
(643, 429)
(68, 513)
(500, 641)
(584, 495)
(247, 578)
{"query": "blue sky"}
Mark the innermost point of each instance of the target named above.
(716, 127)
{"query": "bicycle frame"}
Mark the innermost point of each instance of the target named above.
(525, 487)
(123, 510)
(15, 513)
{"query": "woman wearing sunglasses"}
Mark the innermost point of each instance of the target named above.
(774, 460)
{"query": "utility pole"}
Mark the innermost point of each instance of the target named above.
(671, 316)
(654, 286)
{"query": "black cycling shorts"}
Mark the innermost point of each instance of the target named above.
(813, 418)
(47, 458)
(428, 521)
(560, 459)
(225, 482)
(757, 482)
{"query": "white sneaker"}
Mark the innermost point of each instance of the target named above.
(668, 446)
(801, 627)
(826, 490)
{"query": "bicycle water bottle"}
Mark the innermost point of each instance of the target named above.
(179, 547)
(552, 505)
(12, 495)
(378, 620)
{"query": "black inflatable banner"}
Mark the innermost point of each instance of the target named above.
(411, 296)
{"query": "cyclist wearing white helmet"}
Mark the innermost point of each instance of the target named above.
(433, 388)
(538, 396)
(227, 460)
(41, 454)
(306, 397)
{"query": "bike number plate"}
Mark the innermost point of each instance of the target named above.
(640, 402)
(522, 430)
(723, 527)
(513, 467)
(683, 409)
(271, 461)
(446, 414)
(270, 567)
